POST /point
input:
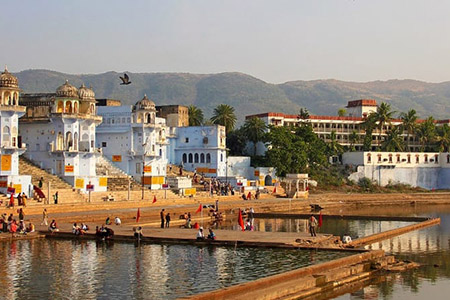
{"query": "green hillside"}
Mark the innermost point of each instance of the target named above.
(249, 95)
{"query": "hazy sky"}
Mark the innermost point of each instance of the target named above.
(276, 41)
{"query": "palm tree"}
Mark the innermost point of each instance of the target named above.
(368, 124)
(342, 112)
(409, 124)
(353, 139)
(426, 133)
(443, 138)
(195, 116)
(394, 140)
(382, 116)
(224, 115)
(254, 130)
(303, 113)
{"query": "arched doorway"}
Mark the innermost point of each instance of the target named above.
(268, 180)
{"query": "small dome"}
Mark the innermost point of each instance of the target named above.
(145, 104)
(8, 80)
(67, 90)
(86, 93)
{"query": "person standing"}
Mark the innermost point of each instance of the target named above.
(44, 217)
(24, 199)
(21, 215)
(41, 182)
(312, 223)
(167, 220)
(162, 214)
(55, 197)
(11, 201)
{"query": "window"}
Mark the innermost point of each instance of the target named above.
(436, 159)
(221, 157)
(409, 159)
(160, 152)
(379, 158)
(190, 158)
(426, 158)
(186, 140)
(208, 158)
(417, 159)
(184, 158)
(398, 158)
(390, 158)
(138, 168)
(369, 158)
(196, 158)
(202, 158)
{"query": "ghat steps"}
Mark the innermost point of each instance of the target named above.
(117, 179)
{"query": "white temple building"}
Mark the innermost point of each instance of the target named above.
(11, 145)
(60, 131)
(135, 140)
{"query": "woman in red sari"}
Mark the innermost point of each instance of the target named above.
(11, 200)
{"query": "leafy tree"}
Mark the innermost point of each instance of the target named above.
(236, 142)
(443, 138)
(342, 112)
(393, 141)
(382, 116)
(294, 150)
(224, 115)
(303, 114)
(353, 139)
(368, 125)
(409, 124)
(426, 133)
(254, 130)
(195, 116)
(333, 147)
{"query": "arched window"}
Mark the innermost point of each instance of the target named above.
(208, 158)
(68, 107)
(196, 158)
(69, 141)
(59, 141)
(60, 107)
(149, 118)
(184, 158)
(75, 107)
(75, 141)
(221, 157)
(202, 158)
(190, 158)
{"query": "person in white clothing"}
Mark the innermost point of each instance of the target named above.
(117, 221)
(200, 234)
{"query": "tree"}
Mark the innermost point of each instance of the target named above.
(342, 112)
(254, 130)
(382, 116)
(368, 125)
(333, 147)
(294, 150)
(409, 124)
(426, 133)
(353, 139)
(236, 142)
(303, 114)
(443, 138)
(394, 141)
(224, 115)
(195, 116)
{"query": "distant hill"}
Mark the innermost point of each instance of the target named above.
(249, 95)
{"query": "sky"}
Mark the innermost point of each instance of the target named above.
(276, 41)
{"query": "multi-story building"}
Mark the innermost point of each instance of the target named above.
(135, 140)
(175, 115)
(344, 126)
(11, 145)
(60, 131)
(200, 149)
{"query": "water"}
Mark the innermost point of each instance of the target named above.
(55, 269)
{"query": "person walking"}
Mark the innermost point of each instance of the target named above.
(167, 220)
(162, 214)
(312, 223)
(44, 217)
(55, 197)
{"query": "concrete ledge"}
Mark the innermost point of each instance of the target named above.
(273, 287)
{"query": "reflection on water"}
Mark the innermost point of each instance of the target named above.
(55, 269)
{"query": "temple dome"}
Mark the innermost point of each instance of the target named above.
(86, 93)
(67, 90)
(8, 80)
(145, 104)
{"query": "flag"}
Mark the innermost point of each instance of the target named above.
(138, 215)
(154, 199)
(274, 190)
(199, 209)
(240, 220)
(320, 219)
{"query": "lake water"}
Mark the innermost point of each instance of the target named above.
(58, 269)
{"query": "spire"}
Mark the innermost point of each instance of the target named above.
(6, 68)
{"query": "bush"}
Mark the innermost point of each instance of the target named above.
(366, 184)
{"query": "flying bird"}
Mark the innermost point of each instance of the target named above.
(125, 79)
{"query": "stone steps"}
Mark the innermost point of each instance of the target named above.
(27, 167)
(117, 179)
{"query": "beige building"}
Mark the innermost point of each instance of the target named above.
(175, 115)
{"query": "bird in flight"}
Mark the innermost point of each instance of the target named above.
(125, 79)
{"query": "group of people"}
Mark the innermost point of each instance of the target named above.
(21, 200)
(201, 236)
(218, 187)
(165, 218)
(80, 229)
(104, 232)
(9, 224)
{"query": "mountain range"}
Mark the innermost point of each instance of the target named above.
(249, 95)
